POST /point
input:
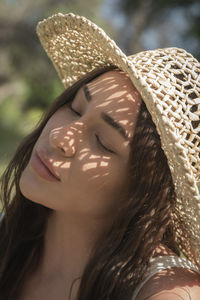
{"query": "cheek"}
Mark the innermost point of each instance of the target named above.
(95, 171)
(98, 185)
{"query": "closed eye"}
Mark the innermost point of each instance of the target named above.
(102, 145)
(97, 137)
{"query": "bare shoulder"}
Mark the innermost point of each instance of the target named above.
(173, 284)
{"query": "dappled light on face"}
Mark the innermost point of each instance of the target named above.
(92, 165)
(119, 98)
(104, 164)
(116, 94)
(71, 139)
(86, 145)
(55, 135)
(83, 155)
(122, 109)
(111, 109)
(89, 166)
(94, 177)
(56, 163)
(96, 162)
(105, 174)
(105, 157)
(66, 165)
(94, 156)
(60, 164)
(55, 131)
(83, 150)
(70, 132)
(104, 104)
(71, 142)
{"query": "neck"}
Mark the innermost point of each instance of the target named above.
(68, 244)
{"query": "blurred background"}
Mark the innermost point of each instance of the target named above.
(28, 81)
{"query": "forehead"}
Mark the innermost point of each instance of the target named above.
(112, 81)
(115, 94)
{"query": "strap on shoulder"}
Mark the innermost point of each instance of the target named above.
(162, 263)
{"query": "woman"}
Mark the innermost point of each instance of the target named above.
(102, 198)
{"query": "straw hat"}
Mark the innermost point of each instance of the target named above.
(169, 83)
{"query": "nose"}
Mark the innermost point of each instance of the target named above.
(63, 140)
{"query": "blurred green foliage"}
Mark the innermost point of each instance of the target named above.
(14, 125)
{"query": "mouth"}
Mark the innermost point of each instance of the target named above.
(42, 167)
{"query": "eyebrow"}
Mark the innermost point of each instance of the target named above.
(108, 119)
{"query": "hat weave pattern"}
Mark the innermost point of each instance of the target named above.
(170, 86)
(169, 83)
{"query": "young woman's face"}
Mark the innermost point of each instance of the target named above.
(86, 148)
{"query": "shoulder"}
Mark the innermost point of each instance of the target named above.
(174, 284)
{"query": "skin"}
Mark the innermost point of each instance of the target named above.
(86, 170)
(86, 199)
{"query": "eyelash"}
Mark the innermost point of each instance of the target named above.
(97, 137)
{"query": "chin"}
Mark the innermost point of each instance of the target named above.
(32, 189)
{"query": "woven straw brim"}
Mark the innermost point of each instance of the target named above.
(169, 83)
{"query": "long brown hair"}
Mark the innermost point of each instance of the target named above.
(119, 260)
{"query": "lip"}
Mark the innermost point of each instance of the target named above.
(42, 167)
